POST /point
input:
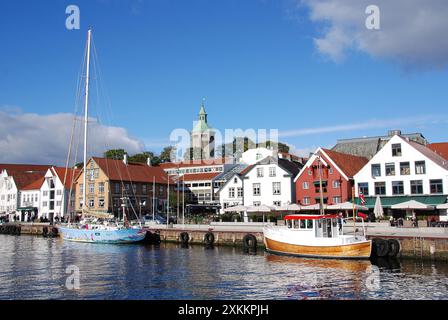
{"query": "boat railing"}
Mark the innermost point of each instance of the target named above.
(362, 224)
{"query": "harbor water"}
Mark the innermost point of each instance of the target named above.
(42, 268)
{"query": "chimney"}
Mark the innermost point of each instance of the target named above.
(148, 161)
(125, 159)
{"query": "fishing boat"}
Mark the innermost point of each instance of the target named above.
(316, 235)
(98, 227)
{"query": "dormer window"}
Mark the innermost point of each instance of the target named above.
(396, 150)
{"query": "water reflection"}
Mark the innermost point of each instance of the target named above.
(35, 268)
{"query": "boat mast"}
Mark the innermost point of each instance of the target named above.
(321, 204)
(86, 109)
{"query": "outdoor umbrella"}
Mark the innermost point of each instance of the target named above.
(346, 206)
(313, 207)
(237, 208)
(378, 209)
(412, 205)
(262, 208)
(289, 207)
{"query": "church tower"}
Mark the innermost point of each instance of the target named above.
(202, 138)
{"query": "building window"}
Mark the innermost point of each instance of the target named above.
(257, 203)
(240, 192)
(397, 187)
(436, 186)
(405, 168)
(277, 203)
(134, 188)
(117, 188)
(58, 203)
(363, 187)
(272, 172)
(45, 193)
(101, 202)
(390, 169)
(336, 184)
(306, 200)
(276, 187)
(380, 188)
(310, 172)
(330, 171)
(305, 185)
(231, 192)
(336, 200)
(256, 189)
(101, 187)
(420, 167)
(58, 192)
(259, 172)
(317, 186)
(91, 203)
(144, 188)
(396, 150)
(44, 203)
(416, 186)
(235, 180)
(91, 187)
(376, 170)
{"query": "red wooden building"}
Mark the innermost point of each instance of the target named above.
(337, 171)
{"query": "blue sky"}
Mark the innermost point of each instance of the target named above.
(256, 63)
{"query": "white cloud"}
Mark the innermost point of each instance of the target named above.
(368, 124)
(412, 32)
(34, 138)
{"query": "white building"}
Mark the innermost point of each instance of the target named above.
(8, 194)
(270, 182)
(30, 200)
(252, 156)
(404, 170)
(231, 192)
(54, 199)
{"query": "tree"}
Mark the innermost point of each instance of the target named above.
(117, 154)
(165, 155)
(142, 157)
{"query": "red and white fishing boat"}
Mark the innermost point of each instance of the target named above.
(316, 235)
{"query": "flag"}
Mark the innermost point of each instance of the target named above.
(361, 197)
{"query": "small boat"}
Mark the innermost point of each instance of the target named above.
(98, 227)
(317, 236)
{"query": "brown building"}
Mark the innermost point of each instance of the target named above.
(108, 181)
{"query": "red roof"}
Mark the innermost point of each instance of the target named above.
(195, 163)
(27, 179)
(133, 171)
(71, 174)
(35, 185)
(349, 164)
(199, 176)
(440, 148)
(23, 167)
(246, 170)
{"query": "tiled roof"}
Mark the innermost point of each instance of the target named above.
(35, 185)
(25, 179)
(235, 170)
(349, 164)
(71, 174)
(199, 176)
(23, 167)
(441, 161)
(194, 163)
(440, 148)
(290, 166)
(246, 170)
(134, 172)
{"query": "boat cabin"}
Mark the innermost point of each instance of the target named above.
(319, 226)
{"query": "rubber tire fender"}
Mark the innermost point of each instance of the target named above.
(382, 247)
(184, 237)
(394, 247)
(209, 238)
(249, 241)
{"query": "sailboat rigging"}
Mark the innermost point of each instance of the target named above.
(92, 229)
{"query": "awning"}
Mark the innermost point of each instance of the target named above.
(346, 206)
(238, 208)
(412, 205)
(387, 202)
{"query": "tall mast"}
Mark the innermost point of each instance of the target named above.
(86, 109)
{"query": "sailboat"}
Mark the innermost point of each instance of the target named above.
(316, 235)
(96, 227)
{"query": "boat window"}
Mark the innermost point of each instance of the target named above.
(296, 224)
(319, 224)
(302, 224)
(289, 223)
(334, 222)
(309, 224)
